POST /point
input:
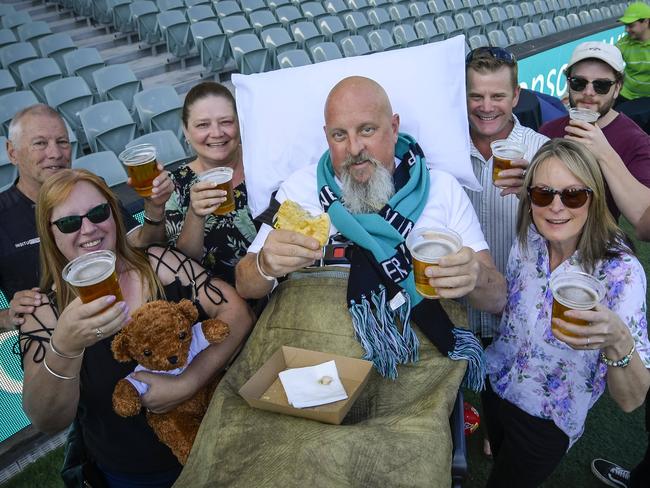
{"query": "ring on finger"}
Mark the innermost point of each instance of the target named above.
(99, 333)
(588, 341)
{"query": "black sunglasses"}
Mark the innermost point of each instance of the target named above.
(72, 223)
(542, 196)
(601, 87)
(495, 52)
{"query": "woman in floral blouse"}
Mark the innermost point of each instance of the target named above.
(543, 381)
(211, 127)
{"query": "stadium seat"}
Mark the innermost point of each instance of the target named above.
(314, 10)
(528, 13)
(497, 38)
(105, 165)
(561, 23)
(438, 7)
(193, 3)
(159, 108)
(175, 31)
(516, 35)
(224, 8)
(55, 46)
(13, 55)
(420, 11)
(83, 8)
(170, 5)
(573, 20)
(144, 17)
(325, 51)
(235, 24)
(7, 37)
(499, 15)
(117, 82)
(32, 31)
(354, 46)
(11, 103)
(456, 6)
(425, 29)
(380, 19)
(378, 3)
(6, 9)
(249, 54)
(306, 34)
(101, 12)
(198, 13)
(336, 7)
(7, 82)
(168, 149)
(478, 40)
(249, 6)
(8, 172)
(447, 26)
(108, 126)
(405, 36)
(358, 5)
(14, 19)
(465, 22)
(277, 40)
(585, 17)
(483, 20)
(357, 23)
(293, 58)
(541, 10)
(515, 14)
(606, 12)
(263, 19)
(532, 30)
(288, 14)
(121, 15)
(381, 40)
(69, 96)
(37, 73)
(400, 14)
(332, 28)
(547, 27)
(211, 43)
(84, 62)
(274, 4)
(563, 7)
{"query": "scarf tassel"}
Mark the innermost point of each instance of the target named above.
(468, 347)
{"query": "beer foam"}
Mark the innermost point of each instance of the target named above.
(576, 295)
(433, 249)
(508, 154)
(217, 176)
(90, 273)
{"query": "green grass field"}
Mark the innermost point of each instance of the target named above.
(609, 433)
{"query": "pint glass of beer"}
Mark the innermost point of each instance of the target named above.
(222, 176)
(573, 290)
(141, 165)
(503, 152)
(93, 276)
(427, 246)
(584, 114)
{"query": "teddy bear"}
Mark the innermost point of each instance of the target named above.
(164, 337)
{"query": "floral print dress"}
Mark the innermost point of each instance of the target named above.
(227, 237)
(536, 372)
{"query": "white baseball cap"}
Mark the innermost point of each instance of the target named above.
(603, 51)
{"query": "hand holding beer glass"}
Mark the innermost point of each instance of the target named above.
(508, 165)
(213, 194)
(574, 290)
(142, 167)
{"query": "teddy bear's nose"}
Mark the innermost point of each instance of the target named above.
(172, 359)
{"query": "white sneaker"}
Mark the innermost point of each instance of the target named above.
(609, 473)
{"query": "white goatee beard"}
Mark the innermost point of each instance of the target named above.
(368, 197)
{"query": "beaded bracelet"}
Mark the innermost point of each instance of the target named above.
(60, 354)
(621, 363)
(57, 375)
(259, 268)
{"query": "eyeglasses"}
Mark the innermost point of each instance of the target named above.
(571, 197)
(601, 87)
(495, 52)
(72, 223)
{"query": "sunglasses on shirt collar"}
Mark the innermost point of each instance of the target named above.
(72, 223)
(542, 196)
(602, 86)
(496, 52)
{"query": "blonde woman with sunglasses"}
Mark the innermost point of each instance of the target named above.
(65, 345)
(544, 379)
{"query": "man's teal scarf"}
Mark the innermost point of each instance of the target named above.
(381, 270)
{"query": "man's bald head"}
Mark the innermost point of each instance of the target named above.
(352, 88)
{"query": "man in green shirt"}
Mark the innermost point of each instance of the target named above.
(635, 48)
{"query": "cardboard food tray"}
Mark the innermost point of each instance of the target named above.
(264, 389)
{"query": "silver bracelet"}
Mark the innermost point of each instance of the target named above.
(57, 375)
(259, 268)
(60, 354)
(621, 363)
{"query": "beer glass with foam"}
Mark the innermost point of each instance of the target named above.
(141, 165)
(503, 152)
(427, 246)
(584, 114)
(93, 276)
(222, 176)
(573, 290)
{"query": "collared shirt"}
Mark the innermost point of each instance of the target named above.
(532, 369)
(637, 67)
(497, 215)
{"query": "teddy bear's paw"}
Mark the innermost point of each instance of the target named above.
(126, 400)
(215, 330)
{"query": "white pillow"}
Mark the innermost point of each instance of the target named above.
(281, 112)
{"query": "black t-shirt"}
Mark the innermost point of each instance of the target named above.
(19, 241)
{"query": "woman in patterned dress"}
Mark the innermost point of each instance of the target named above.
(543, 380)
(211, 127)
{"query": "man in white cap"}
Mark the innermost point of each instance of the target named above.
(595, 75)
(635, 48)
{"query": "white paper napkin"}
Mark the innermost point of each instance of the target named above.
(307, 387)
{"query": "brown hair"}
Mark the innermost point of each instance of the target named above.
(203, 90)
(484, 62)
(601, 238)
(55, 191)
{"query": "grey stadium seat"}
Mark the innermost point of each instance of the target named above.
(380, 19)
(121, 15)
(438, 7)
(6, 9)
(105, 165)
(7, 82)
(170, 5)
(573, 20)
(499, 15)
(498, 38)
(547, 27)
(354, 46)
(274, 4)
(516, 35)
(306, 34)
(263, 19)
(420, 11)
(55, 46)
(8, 172)
(249, 54)
(405, 36)
(357, 23)
(288, 14)
(561, 23)
(585, 17)
(325, 51)
(359, 5)
(11, 103)
(211, 43)
(100, 12)
(168, 148)
(144, 17)
(175, 30)
(7, 37)
(198, 13)
(465, 22)
(484, 21)
(192, 3)
(13, 20)
(277, 40)
(314, 10)
(447, 26)
(249, 6)
(108, 126)
(425, 29)
(400, 14)
(224, 8)
(335, 7)
(293, 58)
(159, 108)
(332, 28)
(235, 24)
(479, 40)
(13, 55)
(33, 31)
(84, 62)
(37, 73)
(117, 82)
(69, 96)
(381, 40)
(532, 31)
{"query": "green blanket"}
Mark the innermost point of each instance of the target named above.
(396, 434)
